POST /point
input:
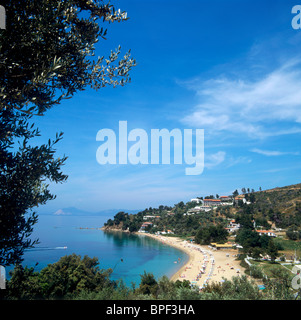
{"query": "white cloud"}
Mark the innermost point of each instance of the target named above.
(251, 108)
(215, 159)
(239, 160)
(273, 153)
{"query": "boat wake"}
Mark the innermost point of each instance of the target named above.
(47, 248)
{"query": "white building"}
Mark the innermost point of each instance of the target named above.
(212, 202)
(205, 208)
(151, 217)
(232, 226)
(266, 232)
(225, 198)
(197, 200)
(240, 198)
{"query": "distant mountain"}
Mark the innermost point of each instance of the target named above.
(71, 211)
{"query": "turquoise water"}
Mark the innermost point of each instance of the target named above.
(139, 253)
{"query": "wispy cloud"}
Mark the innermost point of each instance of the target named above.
(252, 108)
(232, 161)
(213, 160)
(270, 153)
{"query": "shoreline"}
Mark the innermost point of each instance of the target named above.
(204, 265)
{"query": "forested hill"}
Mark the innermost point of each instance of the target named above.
(283, 199)
(281, 206)
(278, 208)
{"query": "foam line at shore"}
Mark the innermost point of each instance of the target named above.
(204, 265)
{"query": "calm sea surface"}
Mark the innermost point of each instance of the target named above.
(138, 253)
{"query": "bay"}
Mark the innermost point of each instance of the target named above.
(129, 255)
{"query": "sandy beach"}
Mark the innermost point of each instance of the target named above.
(205, 265)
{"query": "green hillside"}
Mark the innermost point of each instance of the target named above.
(282, 206)
(278, 208)
(283, 199)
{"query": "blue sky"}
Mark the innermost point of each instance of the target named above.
(232, 68)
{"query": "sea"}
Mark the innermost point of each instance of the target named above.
(129, 255)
